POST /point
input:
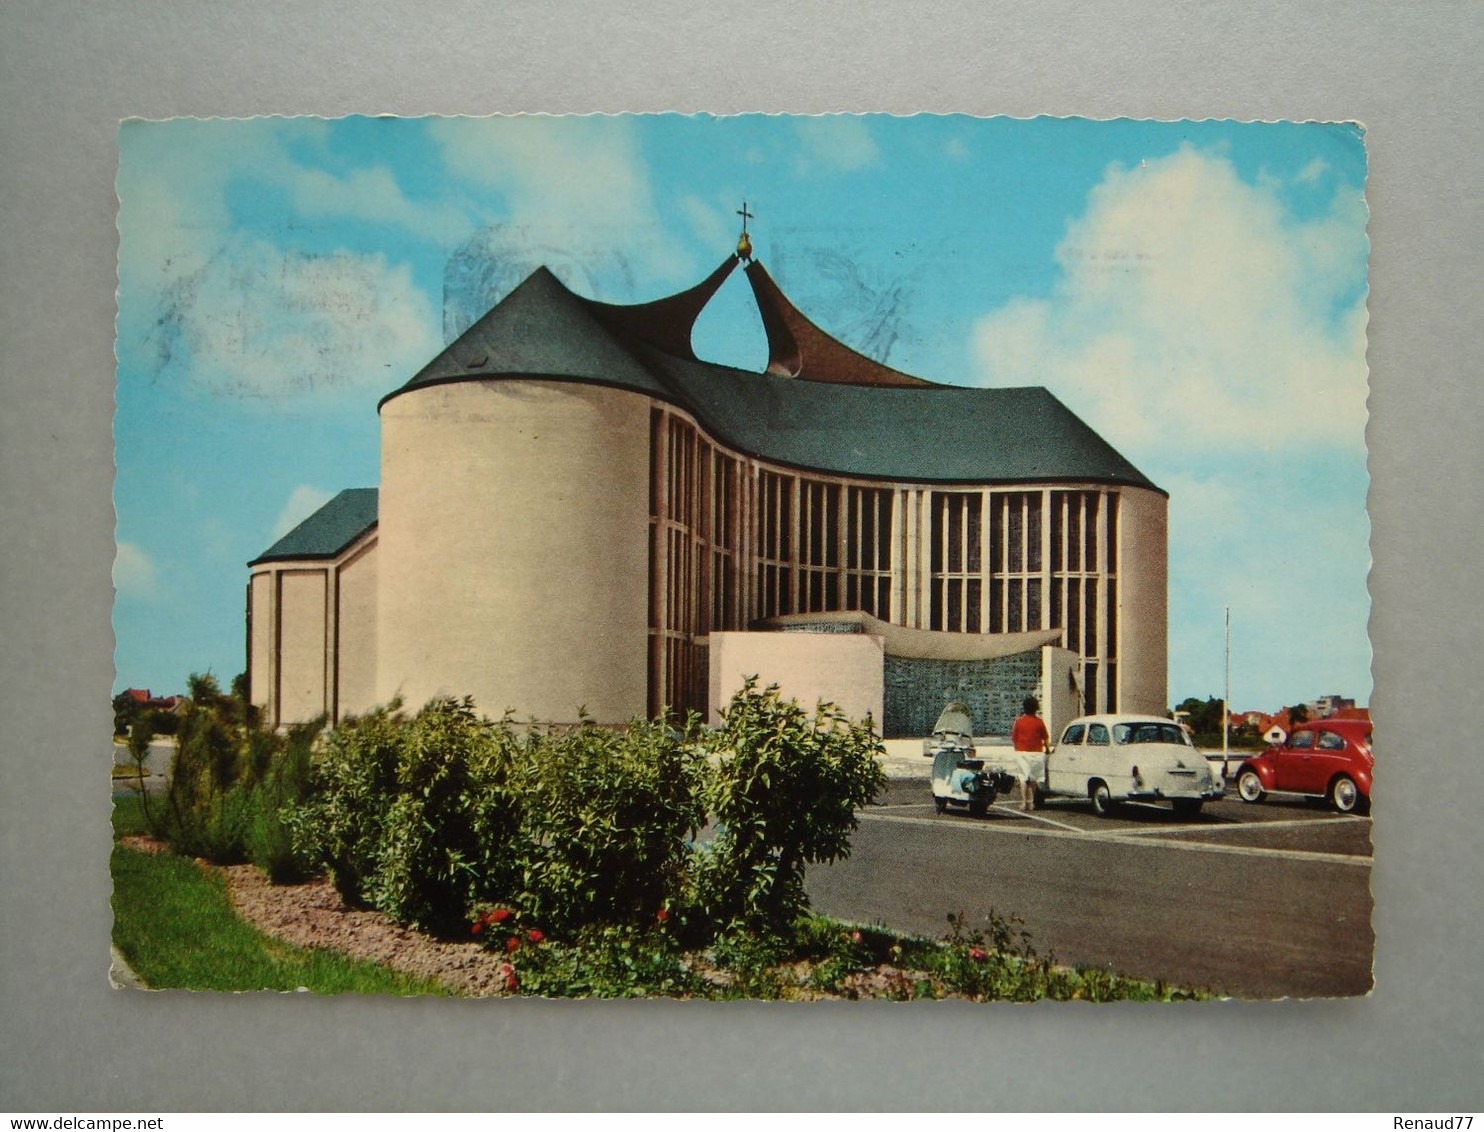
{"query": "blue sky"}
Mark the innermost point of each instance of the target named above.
(1196, 291)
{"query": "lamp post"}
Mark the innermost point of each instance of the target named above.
(1226, 698)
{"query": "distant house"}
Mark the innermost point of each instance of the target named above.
(1276, 727)
(142, 698)
(1325, 707)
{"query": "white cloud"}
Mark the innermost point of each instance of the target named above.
(174, 179)
(134, 575)
(565, 180)
(835, 141)
(171, 187)
(303, 502)
(233, 311)
(1192, 309)
(372, 194)
(1311, 172)
(1219, 343)
(711, 224)
(258, 322)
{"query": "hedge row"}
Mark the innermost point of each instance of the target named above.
(435, 816)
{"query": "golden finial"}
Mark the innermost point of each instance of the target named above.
(744, 242)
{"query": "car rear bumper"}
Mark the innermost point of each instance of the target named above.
(1170, 794)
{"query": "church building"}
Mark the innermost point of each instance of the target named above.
(578, 515)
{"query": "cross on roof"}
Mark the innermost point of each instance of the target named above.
(745, 215)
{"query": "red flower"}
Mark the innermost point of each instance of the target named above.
(513, 943)
(535, 935)
(507, 973)
(478, 927)
(662, 915)
(498, 916)
(978, 953)
(855, 937)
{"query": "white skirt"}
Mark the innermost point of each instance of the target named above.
(1030, 765)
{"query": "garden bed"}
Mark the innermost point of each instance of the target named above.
(844, 961)
(312, 915)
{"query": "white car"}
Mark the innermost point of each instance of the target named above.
(1114, 758)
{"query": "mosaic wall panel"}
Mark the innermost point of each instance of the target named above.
(825, 627)
(918, 690)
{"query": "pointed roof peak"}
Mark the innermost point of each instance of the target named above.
(820, 405)
(799, 348)
(666, 323)
(540, 328)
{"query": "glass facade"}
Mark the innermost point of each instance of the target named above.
(735, 541)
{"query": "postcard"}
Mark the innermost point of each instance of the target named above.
(767, 556)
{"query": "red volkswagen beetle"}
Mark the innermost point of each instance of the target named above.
(1329, 758)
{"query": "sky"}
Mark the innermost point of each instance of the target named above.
(1193, 290)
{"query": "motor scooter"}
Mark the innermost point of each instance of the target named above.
(960, 776)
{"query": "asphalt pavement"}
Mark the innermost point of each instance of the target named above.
(1263, 901)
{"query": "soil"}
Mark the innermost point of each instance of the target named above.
(313, 915)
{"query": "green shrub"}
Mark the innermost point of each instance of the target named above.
(202, 770)
(609, 817)
(783, 794)
(352, 787)
(223, 829)
(748, 961)
(283, 782)
(426, 861)
(603, 961)
(411, 816)
(233, 783)
(165, 722)
(428, 817)
(141, 731)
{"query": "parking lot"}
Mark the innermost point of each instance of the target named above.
(1280, 826)
(1261, 901)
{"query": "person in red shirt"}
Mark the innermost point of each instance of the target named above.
(1032, 742)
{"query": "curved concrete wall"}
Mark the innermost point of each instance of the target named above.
(514, 548)
(1143, 599)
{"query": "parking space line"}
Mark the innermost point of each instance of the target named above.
(1122, 839)
(1248, 850)
(1338, 819)
(1014, 809)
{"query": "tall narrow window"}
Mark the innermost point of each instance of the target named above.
(1033, 532)
(953, 559)
(1090, 530)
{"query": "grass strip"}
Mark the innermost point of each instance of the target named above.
(128, 814)
(174, 924)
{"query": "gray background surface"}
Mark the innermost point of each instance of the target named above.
(69, 71)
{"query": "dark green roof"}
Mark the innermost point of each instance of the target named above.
(329, 530)
(929, 433)
(540, 328)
